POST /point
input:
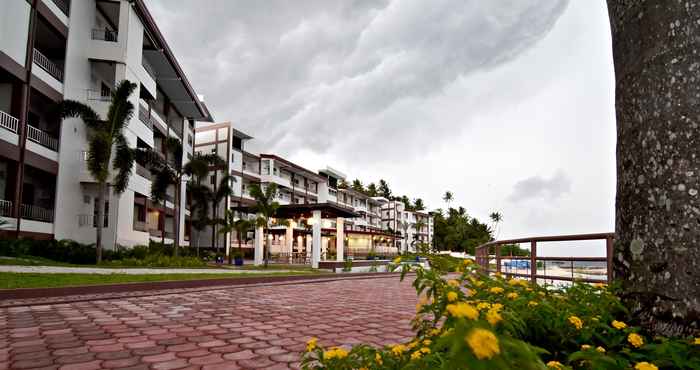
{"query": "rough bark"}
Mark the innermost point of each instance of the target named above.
(657, 67)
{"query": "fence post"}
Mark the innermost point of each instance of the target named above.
(533, 261)
(609, 257)
(498, 258)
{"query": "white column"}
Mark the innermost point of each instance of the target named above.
(316, 240)
(340, 239)
(258, 244)
(289, 239)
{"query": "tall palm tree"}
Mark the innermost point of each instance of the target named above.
(405, 225)
(198, 169)
(656, 232)
(448, 198)
(105, 136)
(221, 192)
(265, 207)
(231, 224)
(496, 218)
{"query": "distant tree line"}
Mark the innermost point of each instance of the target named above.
(382, 189)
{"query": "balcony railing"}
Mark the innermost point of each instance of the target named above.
(8, 122)
(32, 212)
(98, 96)
(5, 208)
(47, 65)
(86, 220)
(105, 35)
(63, 5)
(145, 117)
(140, 226)
(42, 138)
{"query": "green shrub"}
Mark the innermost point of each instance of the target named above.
(473, 321)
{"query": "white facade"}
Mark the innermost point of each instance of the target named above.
(80, 50)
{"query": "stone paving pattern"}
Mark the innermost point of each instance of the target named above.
(250, 327)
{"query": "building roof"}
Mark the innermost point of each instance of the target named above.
(170, 77)
(332, 172)
(328, 210)
(288, 164)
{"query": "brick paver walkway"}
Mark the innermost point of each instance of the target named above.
(248, 327)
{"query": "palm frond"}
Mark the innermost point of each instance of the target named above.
(224, 189)
(98, 155)
(123, 162)
(121, 110)
(74, 109)
(198, 166)
(161, 181)
(174, 147)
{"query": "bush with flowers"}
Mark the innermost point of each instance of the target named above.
(473, 321)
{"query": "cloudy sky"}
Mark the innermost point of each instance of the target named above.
(508, 104)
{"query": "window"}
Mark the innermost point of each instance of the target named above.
(212, 179)
(189, 139)
(105, 91)
(237, 143)
(94, 215)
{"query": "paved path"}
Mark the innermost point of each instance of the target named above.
(129, 271)
(263, 326)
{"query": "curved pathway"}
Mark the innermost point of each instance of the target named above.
(262, 326)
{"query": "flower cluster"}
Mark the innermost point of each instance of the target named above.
(472, 320)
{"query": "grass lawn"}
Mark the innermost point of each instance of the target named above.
(12, 280)
(276, 267)
(40, 261)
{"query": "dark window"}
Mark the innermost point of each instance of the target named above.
(212, 179)
(105, 90)
(94, 215)
(237, 143)
(189, 139)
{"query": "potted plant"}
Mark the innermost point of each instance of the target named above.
(238, 258)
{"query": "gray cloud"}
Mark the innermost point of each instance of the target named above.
(305, 74)
(540, 187)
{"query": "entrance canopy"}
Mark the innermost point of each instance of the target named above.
(294, 211)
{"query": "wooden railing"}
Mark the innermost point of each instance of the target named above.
(484, 256)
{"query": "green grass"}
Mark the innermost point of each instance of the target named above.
(12, 280)
(277, 267)
(40, 261)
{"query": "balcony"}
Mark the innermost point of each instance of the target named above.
(8, 122)
(141, 226)
(145, 118)
(63, 5)
(105, 35)
(36, 213)
(48, 66)
(5, 208)
(42, 138)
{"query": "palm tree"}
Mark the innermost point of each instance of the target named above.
(448, 198)
(496, 218)
(418, 204)
(220, 193)
(105, 136)
(656, 233)
(405, 225)
(231, 224)
(200, 194)
(419, 225)
(266, 207)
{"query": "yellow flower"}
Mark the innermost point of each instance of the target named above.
(412, 345)
(427, 342)
(453, 283)
(645, 366)
(397, 260)
(463, 310)
(528, 289)
(496, 290)
(600, 349)
(497, 306)
(311, 344)
(483, 305)
(619, 325)
(483, 343)
(332, 353)
(363, 368)
(585, 347)
(636, 340)
(554, 365)
(398, 349)
(542, 294)
(600, 285)
(416, 355)
(498, 274)
(697, 342)
(469, 292)
(452, 296)
(576, 322)
(512, 295)
(467, 262)
(479, 283)
(434, 332)
(493, 317)
(378, 359)
(532, 303)
(521, 282)
(425, 350)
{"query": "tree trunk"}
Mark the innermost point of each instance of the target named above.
(657, 228)
(100, 220)
(176, 227)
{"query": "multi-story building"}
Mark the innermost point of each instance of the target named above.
(51, 50)
(414, 226)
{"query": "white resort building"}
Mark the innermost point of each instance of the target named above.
(51, 50)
